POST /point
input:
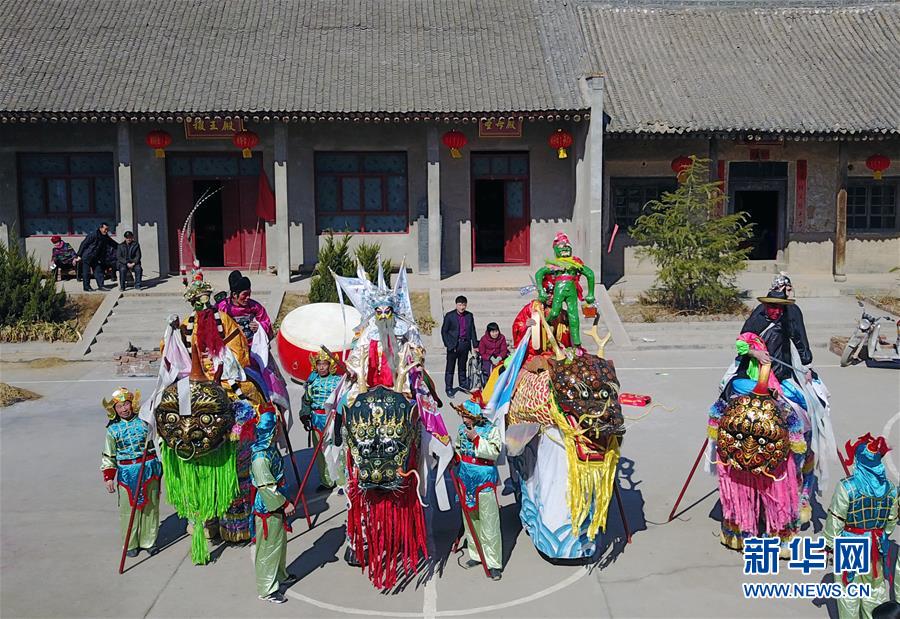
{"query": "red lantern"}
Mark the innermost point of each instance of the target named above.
(158, 140)
(245, 140)
(878, 164)
(455, 140)
(559, 141)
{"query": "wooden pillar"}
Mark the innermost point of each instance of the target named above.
(123, 170)
(282, 224)
(434, 204)
(595, 157)
(840, 215)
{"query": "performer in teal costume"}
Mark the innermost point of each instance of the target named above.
(319, 387)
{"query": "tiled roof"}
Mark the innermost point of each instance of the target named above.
(829, 70)
(398, 56)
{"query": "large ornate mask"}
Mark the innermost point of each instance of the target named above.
(379, 431)
(201, 432)
(753, 434)
(587, 390)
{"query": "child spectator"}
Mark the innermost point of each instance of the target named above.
(492, 348)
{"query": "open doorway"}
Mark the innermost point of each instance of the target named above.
(208, 228)
(489, 225)
(762, 210)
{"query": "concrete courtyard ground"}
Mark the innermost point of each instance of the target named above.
(60, 543)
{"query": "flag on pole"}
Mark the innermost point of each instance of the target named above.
(501, 397)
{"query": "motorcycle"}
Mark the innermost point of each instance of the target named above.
(868, 344)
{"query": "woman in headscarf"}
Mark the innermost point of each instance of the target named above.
(248, 313)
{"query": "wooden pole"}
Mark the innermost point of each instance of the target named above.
(287, 440)
(840, 237)
(137, 495)
(457, 485)
(300, 496)
(688, 480)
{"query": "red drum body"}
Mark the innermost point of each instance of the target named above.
(306, 329)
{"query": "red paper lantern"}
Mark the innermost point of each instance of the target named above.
(245, 140)
(158, 140)
(878, 164)
(455, 140)
(680, 164)
(559, 141)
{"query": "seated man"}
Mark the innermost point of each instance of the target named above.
(63, 257)
(128, 258)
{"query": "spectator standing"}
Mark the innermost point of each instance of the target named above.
(63, 256)
(458, 334)
(92, 251)
(492, 348)
(128, 258)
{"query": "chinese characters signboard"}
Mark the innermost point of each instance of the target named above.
(500, 128)
(213, 128)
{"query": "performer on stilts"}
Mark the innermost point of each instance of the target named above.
(478, 445)
(565, 271)
(127, 446)
(865, 504)
(319, 387)
(271, 509)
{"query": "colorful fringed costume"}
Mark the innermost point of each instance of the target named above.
(865, 504)
(478, 476)
(127, 436)
(758, 441)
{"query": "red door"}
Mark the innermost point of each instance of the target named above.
(516, 219)
(180, 198)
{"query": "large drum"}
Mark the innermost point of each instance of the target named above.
(306, 329)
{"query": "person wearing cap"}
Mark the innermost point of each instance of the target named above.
(795, 326)
(128, 258)
(478, 446)
(63, 255)
(248, 313)
(492, 348)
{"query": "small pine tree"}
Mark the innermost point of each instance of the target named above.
(29, 295)
(698, 253)
(367, 255)
(334, 255)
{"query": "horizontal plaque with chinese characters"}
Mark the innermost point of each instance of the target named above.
(500, 128)
(212, 128)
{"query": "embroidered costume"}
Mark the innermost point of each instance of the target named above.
(123, 454)
(865, 504)
(564, 272)
(478, 476)
(313, 414)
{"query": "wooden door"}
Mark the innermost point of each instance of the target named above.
(516, 220)
(232, 231)
(253, 229)
(180, 199)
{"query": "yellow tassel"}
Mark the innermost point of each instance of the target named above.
(562, 153)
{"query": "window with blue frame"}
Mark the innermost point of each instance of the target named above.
(361, 192)
(66, 193)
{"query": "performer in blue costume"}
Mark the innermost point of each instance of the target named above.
(126, 438)
(865, 504)
(478, 446)
(319, 387)
(270, 511)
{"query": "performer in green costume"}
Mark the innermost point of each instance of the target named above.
(558, 283)
(270, 511)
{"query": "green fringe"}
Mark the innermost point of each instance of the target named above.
(200, 489)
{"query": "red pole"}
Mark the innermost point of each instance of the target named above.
(462, 507)
(137, 495)
(300, 496)
(287, 439)
(688, 480)
(622, 510)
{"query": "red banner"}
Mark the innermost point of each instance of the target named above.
(800, 207)
(212, 129)
(500, 128)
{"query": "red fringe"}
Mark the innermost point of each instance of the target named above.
(386, 529)
(208, 337)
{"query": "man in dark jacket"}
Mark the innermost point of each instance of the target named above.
(458, 334)
(92, 252)
(794, 326)
(128, 258)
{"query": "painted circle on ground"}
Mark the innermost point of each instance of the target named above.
(570, 580)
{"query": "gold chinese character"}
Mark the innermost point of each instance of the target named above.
(198, 124)
(227, 125)
(489, 124)
(212, 125)
(500, 124)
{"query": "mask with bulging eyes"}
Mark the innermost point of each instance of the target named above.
(201, 432)
(753, 434)
(379, 432)
(384, 312)
(586, 388)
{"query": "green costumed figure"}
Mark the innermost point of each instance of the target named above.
(864, 504)
(558, 283)
(270, 511)
(478, 446)
(127, 438)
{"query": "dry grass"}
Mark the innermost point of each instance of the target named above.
(9, 395)
(639, 311)
(884, 302)
(80, 308)
(421, 303)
